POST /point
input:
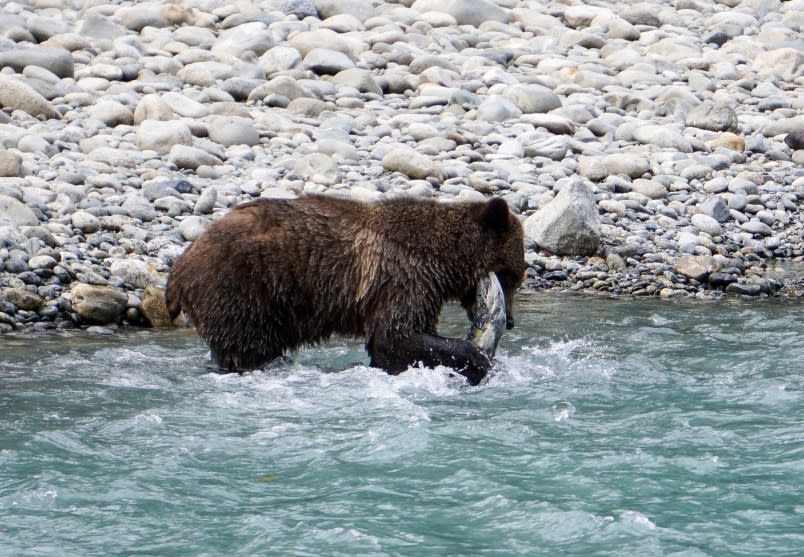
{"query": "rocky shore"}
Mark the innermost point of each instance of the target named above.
(652, 148)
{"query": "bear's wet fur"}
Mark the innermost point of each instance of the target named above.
(274, 275)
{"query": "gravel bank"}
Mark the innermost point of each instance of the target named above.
(674, 133)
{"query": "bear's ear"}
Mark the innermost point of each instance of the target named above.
(496, 215)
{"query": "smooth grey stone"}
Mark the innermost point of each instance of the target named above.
(254, 37)
(56, 60)
(359, 9)
(712, 117)
(192, 227)
(744, 289)
(17, 95)
(206, 201)
(707, 224)
(532, 98)
(136, 18)
(16, 213)
(757, 228)
(162, 136)
(185, 156)
(98, 304)
(323, 61)
(101, 31)
(476, 12)
(569, 224)
(139, 207)
(716, 208)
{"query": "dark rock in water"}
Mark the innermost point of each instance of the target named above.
(744, 289)
(556, 275)
(795, 140)
(719, 281)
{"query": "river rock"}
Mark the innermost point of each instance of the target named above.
(716, 208)
(409, 162)
(324, 61)
(139, 207)
(532, 98)
(795, 140)
(98, 304)
(569, 224)
(649, 188)
(185, 156)
(696, 267)
(16, 95)
(153, 308)
(206, 201)
(497, 108)
(23, 299)
(10, 164)
(476, 12)
(85, 222)
(152, 107)
(100, 31)
(662, 137)
(57, 60)
(358, 78)
(112, 113)
(233, 130)
(15, 213)
(782, 63)
(707, 224)
(756, 227)
(253, 36)
(184, 106)
(712, 117)
(728, 141)
(358, 9)
(161, 136)
(192, 227)
(137, 18)
(136, 272)
(628, 164)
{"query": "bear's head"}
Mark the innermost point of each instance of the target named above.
(505, 244)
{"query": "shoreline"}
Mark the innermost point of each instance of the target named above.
(126, 130)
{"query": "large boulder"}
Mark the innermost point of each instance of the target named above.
(569, 224)
(98, 304)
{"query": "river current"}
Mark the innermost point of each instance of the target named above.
(608, 427)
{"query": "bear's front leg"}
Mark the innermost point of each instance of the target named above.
(395, 356)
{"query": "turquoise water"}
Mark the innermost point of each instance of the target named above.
(608, 428)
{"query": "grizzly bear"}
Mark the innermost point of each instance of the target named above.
(274, 275)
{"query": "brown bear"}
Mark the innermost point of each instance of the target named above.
(274, 275)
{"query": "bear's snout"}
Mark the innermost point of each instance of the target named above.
(509, 322)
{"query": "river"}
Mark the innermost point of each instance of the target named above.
(608, 427)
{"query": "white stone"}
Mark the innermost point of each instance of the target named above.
(569, 224)
(161, 136)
